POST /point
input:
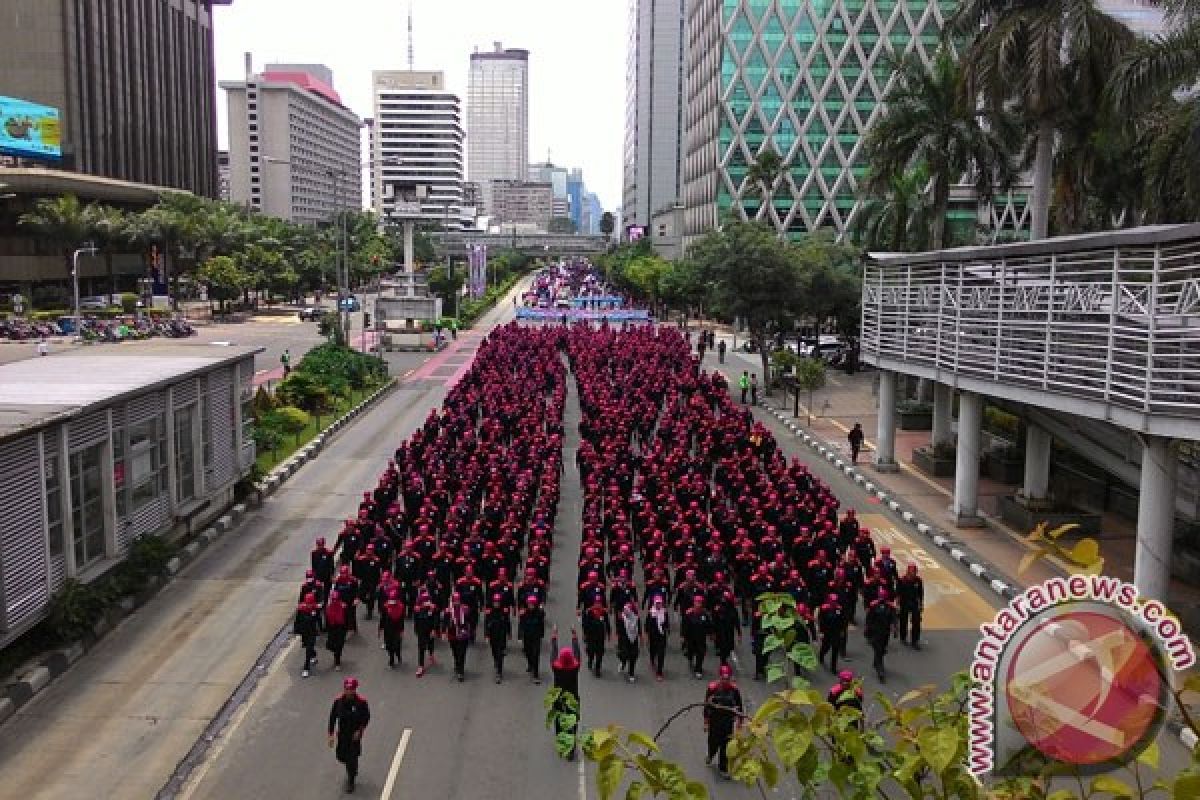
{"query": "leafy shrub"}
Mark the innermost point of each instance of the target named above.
(266, 438)
(289, 419)
(304, 391)
(341, 367)
(76, 608)
(264, 402)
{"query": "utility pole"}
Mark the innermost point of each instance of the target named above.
(344, 274)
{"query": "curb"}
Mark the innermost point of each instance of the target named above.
(978, 567)
(40, 672)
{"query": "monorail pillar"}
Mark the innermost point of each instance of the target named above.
(966, 471)
(885, 439)
(1156, 518)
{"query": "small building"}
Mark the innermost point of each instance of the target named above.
(101, 445)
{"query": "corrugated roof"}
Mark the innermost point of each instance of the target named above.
(37, 391)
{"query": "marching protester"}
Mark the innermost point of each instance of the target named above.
(629, 637)
(722, 716)
(658, 629)
(566, 680)
(497, 628)
(336, 622)
(531, 627)
(910, 592)
(348, 719)
(391, 626)
(307, 626)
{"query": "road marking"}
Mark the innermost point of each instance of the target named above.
(582, 779)
(395, 769)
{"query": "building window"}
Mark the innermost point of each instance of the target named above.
(185, 453)
(87, 505)
(145, 473)
(206, 448)
(54, 497)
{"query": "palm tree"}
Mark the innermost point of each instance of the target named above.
(61, 219)
(1141, 88)
(110, 228)
(900, 218)
(1039, 55)
(761, 178)
(930, 122)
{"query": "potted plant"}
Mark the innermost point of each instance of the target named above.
(937, 461)
(1005, 464)
(1025, 512)
(915, 415)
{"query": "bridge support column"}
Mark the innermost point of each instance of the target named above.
(885, 439)
(966, 472)
(1156, 518)
(943, 403)
(1038, 443)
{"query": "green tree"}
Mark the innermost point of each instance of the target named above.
(561, 225)
(646, 274)
(445, 286)
(897, 218)
(1142, 88)
(1039, 56)
(810, 376)
(831, 281)
(751, 275)
(930, 123)
(762, 178)
(224, 278)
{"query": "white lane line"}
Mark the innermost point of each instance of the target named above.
(582, 779)
(395, 769)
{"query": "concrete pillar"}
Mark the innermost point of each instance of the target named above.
(885, 439)
(943, 404)
(410, 267)
(924, 390)
(966, 473)
(1037, 462)
(1156, 518)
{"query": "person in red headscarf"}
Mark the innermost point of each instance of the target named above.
(348, 719)
(391, 625)
(336, 618)
(722, 715)
(566, 680)
(307, 626)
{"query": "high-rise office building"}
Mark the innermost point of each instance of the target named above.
(653, 108)
(522, 203)
(294, 147)
(497, 118)
(417, 149)
(133, 81)
(805, 78)
(546, 172)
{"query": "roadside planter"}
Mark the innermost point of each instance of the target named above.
(915, 416)
(937, 462)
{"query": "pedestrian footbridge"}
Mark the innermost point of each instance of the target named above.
(1101, 327)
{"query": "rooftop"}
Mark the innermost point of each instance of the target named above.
(38, 391)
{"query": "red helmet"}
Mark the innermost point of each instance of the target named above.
(725, 671)
(846, 676)
(350, 684)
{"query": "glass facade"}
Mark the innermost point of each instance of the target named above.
(87, 505)
(805, 78)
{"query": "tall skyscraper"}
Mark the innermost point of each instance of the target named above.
(805, 78)
(294, 147)
(653, 108)
(497, 119)
(546, 172)
(417, 148)
(134, 83)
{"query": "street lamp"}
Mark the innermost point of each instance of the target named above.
(91, 251)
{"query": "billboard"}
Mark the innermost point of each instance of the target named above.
(634, 232)
(29, 130)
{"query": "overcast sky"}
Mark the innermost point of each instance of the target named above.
(576, 61)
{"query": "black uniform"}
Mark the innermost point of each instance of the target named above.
(307, 626)
(497, 627)
(531, 629)
(910, 592)
(656, 635)
(696, 627)
(348, 718)
(879, 622)
(723, 703)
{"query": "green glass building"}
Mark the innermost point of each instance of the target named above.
(805, 78)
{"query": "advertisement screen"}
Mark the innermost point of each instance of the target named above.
(635, 232)
(28, 129)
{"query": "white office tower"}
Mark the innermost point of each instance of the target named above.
(497, 120)
(417, 149)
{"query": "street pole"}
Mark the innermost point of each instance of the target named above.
(75, 280)
(343, 275)
(446, 244)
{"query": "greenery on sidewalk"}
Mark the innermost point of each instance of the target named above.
(329, 381)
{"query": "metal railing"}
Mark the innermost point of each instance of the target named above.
(1113, 318)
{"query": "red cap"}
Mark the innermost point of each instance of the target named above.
(725, 671)
(350, 684)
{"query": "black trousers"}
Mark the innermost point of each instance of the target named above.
(347, 752)
(831, 644)
(499, 647)
(908, 614)
(658, 653)
(595, 652)
(424, 645)
(310, 650)
(718, 738)
(696, 650)
(459, 648)
(533, 654)
(878, 647)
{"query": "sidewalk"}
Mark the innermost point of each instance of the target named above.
(848, 399)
